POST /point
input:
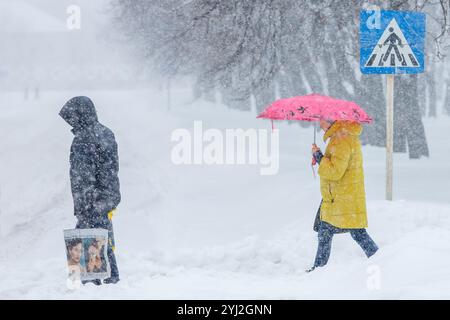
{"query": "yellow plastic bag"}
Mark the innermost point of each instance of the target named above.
(111, 214)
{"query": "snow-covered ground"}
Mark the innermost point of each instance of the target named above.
(212, 232)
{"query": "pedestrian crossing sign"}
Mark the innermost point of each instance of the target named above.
(392, 42)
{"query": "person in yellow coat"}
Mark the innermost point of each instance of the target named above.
(343, 207)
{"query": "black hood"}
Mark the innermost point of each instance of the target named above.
(79, 112)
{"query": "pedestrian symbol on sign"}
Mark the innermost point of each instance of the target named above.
(392, 50)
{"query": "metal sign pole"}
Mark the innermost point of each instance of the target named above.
(389, 134)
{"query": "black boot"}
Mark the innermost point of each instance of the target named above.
(112, 280)
(97, 282)
(310, 269)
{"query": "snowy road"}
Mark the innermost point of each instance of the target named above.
(213, 231)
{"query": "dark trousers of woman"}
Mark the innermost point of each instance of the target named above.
(326, 232)
(103, 223)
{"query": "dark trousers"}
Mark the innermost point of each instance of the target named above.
(325, 234)
(103, 224)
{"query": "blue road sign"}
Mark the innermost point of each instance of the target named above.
(392, 42)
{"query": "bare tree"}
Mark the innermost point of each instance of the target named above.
(279, 48)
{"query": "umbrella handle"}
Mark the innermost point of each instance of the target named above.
(313, 163)
(315, 129)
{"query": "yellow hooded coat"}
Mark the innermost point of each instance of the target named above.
(342, 177)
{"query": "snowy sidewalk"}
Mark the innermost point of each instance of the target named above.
(198, 232)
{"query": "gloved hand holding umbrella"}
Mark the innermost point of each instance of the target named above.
(314, 107)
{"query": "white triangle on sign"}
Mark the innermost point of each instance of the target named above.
(392, 50)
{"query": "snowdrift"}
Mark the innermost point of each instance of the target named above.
(212, 232)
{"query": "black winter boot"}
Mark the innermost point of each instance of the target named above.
(97, 282)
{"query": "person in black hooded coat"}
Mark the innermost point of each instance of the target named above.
(94, 167)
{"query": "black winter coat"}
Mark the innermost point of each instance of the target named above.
(94, 162)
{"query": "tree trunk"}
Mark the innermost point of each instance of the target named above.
(370, 96)
(432, 94)
(408, 127)
(447, 98)
(264, 95)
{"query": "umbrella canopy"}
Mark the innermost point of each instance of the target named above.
(314, 107)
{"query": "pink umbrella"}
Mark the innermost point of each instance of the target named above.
(314, 107)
